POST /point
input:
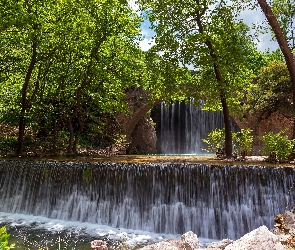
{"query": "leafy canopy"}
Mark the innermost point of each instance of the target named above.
(183, 30)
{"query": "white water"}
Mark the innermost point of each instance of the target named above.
(215, 202)
(82, 231)
(184, 126)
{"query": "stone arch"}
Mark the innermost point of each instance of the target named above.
(137, 126)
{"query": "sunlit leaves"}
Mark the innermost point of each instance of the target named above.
(285, 13)
(87, 55)
(184, 29)
(273, 90)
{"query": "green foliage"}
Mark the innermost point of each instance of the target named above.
(284, 10)
(277, 146)
(215, 141)
(4, 237)
(204, 36)
(165, 80)
(258, 59)
(242, 142)
(7, 144)
(86, 56)
(273, 90)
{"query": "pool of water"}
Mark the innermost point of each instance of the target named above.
(36, 232)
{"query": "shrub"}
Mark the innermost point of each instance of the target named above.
(242, 143)
(216, 142)
(4, 236)
(277, 146)
(7, 144)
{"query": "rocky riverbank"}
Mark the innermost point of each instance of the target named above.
(281, 237)
(259, 239)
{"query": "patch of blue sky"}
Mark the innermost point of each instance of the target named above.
(254, 18)
(148, 36)
(251, 17)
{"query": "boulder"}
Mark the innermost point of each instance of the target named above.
(190, 241)
(258, 239)
(220, 245)
(170, 244)
(98, 245)
(289, 220)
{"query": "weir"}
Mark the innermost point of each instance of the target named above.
(214, 202)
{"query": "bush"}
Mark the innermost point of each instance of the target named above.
(242, 143)
(4, 236)
(7, 144)
(216, 142)
(277, 146)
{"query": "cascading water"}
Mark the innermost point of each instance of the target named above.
(212, 201)
(184, 126)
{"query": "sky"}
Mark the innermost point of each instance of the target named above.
(249, 17)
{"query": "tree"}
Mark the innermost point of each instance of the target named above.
(72, 60)
(30, 28)
(108, 58)
(285, 13)
(164, 79)
(283, 44)
(272, 91)
(205, 35)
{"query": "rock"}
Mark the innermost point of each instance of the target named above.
(190, 241)
(289, 220)
(137, 125)
(143, 139)
(220, 245)
(98, 245)
(259, 239)
(171, 244)
(285, 227)
(273, 122)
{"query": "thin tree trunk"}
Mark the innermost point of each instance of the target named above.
(21, 134)
(77, 136)
(22, 121)
(227, 127)
(226, 117)
(70, 121)
(71, 139)
(273, 22)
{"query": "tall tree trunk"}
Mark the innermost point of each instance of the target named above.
(22, 120)
(71, 139)
(77, 136)
(273, 22)
(227, 127)
(226, 117)
(70, 148)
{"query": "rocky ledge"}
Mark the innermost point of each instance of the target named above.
(281, 237)
(259, 239)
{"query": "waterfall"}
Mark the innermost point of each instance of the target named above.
(183, 126)
(212, 201)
